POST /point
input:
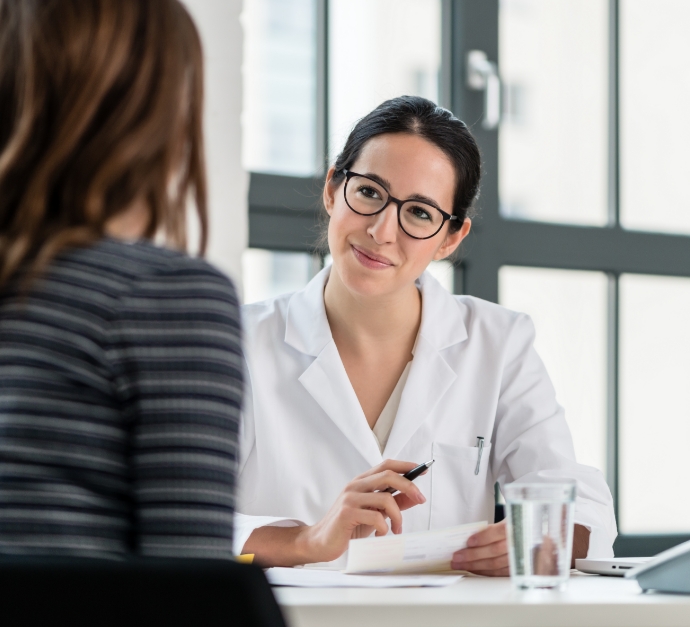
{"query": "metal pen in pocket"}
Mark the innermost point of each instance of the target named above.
(480, 450)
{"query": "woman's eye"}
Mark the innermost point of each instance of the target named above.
(420, 213)
(369, 192)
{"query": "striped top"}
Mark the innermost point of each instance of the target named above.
(120, 395)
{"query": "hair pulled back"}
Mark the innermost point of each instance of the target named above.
(418, 116)
(100, 107)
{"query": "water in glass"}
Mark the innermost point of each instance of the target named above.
(540, 533)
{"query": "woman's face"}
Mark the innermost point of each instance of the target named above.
(371, 254)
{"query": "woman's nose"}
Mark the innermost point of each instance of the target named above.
(384, 225)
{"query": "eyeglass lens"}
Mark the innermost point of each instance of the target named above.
(417, 219)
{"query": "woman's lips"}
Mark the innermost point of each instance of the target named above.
(368, 260)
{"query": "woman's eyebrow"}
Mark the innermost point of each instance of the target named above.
(387, 184)
(424, 199)
(379, 179)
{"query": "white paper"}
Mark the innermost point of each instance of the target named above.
(418, 552)
(314, 578)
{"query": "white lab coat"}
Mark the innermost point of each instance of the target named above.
(474, 373)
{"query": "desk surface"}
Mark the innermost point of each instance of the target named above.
(587, 601)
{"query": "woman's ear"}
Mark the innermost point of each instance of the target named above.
(329, 191)
(453, 240)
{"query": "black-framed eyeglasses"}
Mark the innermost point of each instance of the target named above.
(367, 197)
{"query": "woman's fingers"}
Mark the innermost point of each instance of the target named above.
(388, 479)
(488, 535)
(404, 502)
(373, 519)
(482, 552)
(486, 552)
(384, 502)
(484, 565)
(395, 465)
(484, 559)
(362, 506)
(388, 475)
(365, 505)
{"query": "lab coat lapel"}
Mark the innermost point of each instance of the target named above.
(327, 381)
(429, 379)
(430, 375)
(307, 330)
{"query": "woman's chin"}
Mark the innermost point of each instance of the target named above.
(365, 282)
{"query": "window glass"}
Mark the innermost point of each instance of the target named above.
(569, 310)
(654, 121)
(279, 83)
(379, 49)
(654, 411)
(553, 62)
(268, 273)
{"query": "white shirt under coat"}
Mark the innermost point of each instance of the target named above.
(475, 372)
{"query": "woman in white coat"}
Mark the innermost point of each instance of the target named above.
(375, 361)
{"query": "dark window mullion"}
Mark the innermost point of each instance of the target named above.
(613, 308)
(612, 390)
(475, 27)
(445, 97)
(613, 118)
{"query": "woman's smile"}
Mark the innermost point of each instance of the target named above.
(371, 260)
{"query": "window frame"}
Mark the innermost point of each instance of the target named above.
(284, 211)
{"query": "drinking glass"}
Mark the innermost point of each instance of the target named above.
(540, 532)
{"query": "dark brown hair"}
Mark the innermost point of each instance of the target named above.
(100, 106)
(418, 116)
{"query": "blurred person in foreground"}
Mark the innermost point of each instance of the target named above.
(120, 361)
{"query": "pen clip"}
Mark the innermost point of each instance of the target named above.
(480, 450)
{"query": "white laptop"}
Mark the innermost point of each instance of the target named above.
(613, 566)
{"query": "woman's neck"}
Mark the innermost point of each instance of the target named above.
(129, 224)
(365, 323)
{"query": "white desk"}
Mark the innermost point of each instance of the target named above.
(588, 601)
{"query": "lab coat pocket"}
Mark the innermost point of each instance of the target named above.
(458, 495)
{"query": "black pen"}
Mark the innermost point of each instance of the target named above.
(411, 475)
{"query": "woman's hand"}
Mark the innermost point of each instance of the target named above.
(361, 508)
(486, 552)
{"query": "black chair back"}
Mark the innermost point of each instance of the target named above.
(172, 593)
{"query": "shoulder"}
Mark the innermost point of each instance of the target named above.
(142, 265)
(495, 326)
(142, 260)
(449, 319)
(297, 320)
(265, 316)
(478, 311)
(143, 281)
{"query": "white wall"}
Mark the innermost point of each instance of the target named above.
(219, 24)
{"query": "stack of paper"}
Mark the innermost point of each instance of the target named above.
(418, 552)
(414, 554)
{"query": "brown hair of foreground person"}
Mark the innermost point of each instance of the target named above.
(100, 110)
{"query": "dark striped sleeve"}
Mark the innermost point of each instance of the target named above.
(175, 349)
